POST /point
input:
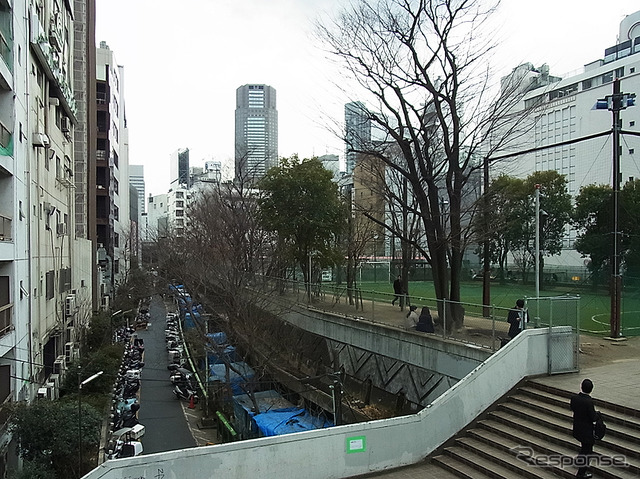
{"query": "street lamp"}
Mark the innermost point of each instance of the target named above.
(80, 384)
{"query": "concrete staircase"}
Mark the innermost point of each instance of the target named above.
(528, 435)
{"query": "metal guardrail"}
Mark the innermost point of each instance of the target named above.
(5, 228)
(485, 326)
(6, 318)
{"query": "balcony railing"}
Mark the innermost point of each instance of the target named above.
(5, 51)
(5, 228)
(5, 137)
(6, 318)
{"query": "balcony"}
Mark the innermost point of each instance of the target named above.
(5, 228)
(6, 318)
(6, 145)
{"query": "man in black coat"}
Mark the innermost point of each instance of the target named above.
(397, 289)
(584, 415)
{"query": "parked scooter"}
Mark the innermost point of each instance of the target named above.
(185, 390)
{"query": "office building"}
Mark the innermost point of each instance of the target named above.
(136, 179)
(357, 132)
(179, 168)
(563, 110)
(112, 176)
(256, 135)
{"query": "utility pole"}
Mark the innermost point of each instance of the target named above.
(486, 256)
(615, 103)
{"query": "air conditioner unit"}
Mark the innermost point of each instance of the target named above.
(52, 391)
(40, 140)
(61, 229)
(55, 379)
(53, 101)
(43, 393)
(65, 124)
(69, 303)
(59, 365)
(69, 351)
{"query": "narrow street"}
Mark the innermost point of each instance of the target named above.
(161, 413)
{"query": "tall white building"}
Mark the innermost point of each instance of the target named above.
(563, 110)
(256, 134)
(45, 261)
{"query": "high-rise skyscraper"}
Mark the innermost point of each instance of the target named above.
(179, 168)
(256, 138)
(136, 178)
(357, 132)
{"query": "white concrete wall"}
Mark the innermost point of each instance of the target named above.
(323, 454)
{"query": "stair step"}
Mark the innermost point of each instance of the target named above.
(558, 459)
(622, 411)
(617, 424)
(615, 442)
(504, 459)
(458, 468)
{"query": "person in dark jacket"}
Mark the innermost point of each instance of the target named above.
(397, 290)
(584, 415)
(517, 318)
(425, 321)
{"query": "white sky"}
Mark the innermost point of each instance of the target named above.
(184, 60)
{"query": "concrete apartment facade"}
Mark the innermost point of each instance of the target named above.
(45, 249)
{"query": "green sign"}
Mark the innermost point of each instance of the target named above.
(356, 444)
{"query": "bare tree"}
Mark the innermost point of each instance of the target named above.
(424, 65)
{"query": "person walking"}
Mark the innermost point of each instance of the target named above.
(517, 318)
(584, 415)
(397, 290)
(412, 318)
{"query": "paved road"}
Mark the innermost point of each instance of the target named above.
(166, 428)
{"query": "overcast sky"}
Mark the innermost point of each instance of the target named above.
(184, 60)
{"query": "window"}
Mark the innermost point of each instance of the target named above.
(116, 213)
(50, 280)
(632, 69)
(632, 151)
(586, 84)
(116, 266)
(179, 204)
(632, 123)
(179, 194)
(607, 77)
(115, 185)
(179, 213)
(116, 240)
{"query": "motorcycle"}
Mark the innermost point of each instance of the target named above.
(185, 390)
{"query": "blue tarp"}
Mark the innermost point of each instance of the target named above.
(218, 338)
(287, 421)
(218, 373)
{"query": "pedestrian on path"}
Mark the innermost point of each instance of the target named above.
(584, 416)
(397, 289)
(517, 319)
(412, 318)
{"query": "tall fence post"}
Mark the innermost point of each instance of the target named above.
(493, 328)
(444, 318)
